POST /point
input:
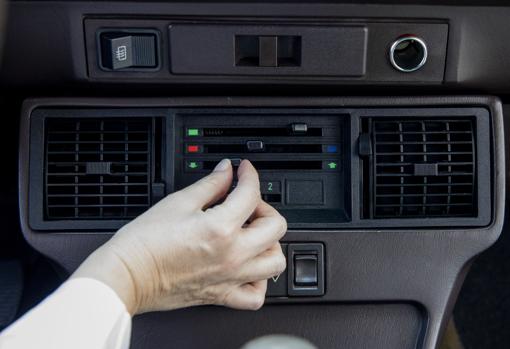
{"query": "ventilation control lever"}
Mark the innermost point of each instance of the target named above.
(364, 145)
(299, 128)
(255, 146)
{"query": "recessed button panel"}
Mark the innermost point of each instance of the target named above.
(304, 275)
(306, 264)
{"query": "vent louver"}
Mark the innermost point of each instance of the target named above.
(97, 168)
(422, 168)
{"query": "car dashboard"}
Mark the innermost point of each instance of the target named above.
(377, 130)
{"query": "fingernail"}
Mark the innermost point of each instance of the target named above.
(223, 165)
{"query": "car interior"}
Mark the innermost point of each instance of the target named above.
(377, 128)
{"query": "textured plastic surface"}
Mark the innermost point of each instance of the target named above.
(324, 51)
(361, 326)
(11, 279)
(422, 265)
(475, 55)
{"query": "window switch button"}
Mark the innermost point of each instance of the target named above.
(306, 270)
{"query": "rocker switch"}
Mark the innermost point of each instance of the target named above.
(305, 270)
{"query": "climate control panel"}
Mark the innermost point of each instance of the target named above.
(301, 159)
(322, 168)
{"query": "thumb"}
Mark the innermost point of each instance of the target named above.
(209, 189)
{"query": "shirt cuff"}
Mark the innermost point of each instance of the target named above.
(82, 313)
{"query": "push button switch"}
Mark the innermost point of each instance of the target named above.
(120, 50)
(305, 270)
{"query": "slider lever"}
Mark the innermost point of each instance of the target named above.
(364, 145)
(255, 146)
(299, 128)
(235, 162)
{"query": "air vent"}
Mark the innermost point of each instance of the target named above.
(97, 168)
(420, 168)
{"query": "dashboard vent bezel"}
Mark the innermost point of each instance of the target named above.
(38, 219)
(423, 168)
(167, 121)
(97, 168)
(480, 119)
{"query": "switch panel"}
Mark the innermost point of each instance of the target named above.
(305, 265)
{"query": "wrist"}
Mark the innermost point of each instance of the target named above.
(109, 268)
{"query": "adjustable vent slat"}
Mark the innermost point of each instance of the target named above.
(423, 168)
(97, 168)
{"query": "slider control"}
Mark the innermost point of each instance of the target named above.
(255, 146)
(299, 128)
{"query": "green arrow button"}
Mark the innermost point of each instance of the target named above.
(332, 165)
(193, 165)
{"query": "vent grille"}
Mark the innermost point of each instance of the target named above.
(97, 168)
(423, 168)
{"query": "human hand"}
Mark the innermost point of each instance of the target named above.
(184, 251)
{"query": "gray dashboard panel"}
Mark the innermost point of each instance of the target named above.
(472, 59)
(423, 267)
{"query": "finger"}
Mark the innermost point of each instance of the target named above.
(268, 264)
(243, 200)
(266, 228)
(207, 190)
(249, 296)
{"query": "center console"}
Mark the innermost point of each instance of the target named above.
(387, 200)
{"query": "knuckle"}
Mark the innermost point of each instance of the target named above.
(257, 301)
(231, 264)
(282, 225)
(280, 264)
(211, 181)
(220, 231)
(254, 194)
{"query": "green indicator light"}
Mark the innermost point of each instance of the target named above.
(332, 165)
(192, 131)
(193, 165)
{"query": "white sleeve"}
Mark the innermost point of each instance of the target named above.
(82, 313)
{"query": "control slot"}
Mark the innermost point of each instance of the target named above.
(268, 148)
(276, 165)
(296, 129)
